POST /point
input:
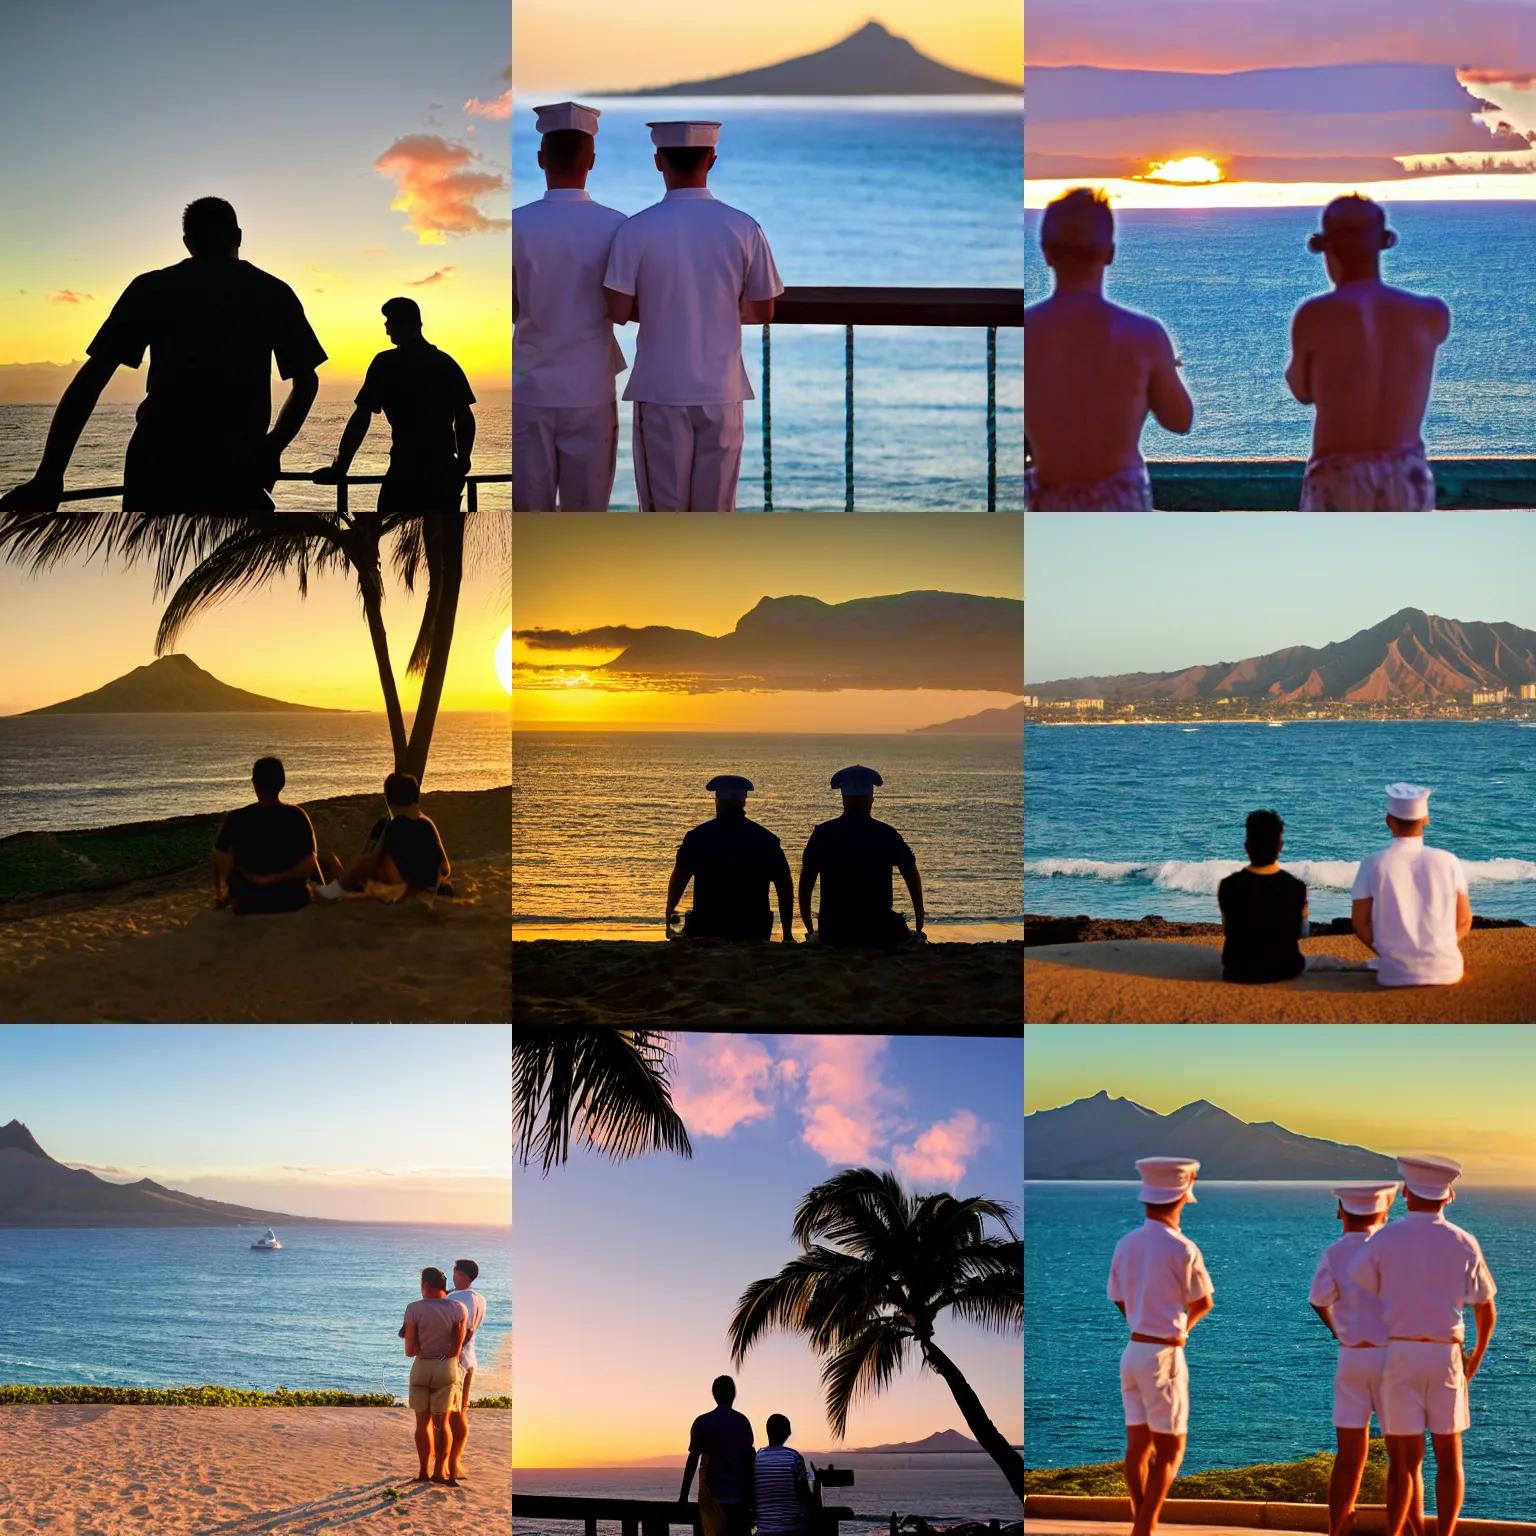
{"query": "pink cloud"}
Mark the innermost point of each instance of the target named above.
(939, 1155)
(498, 106)
(442, 275)
(848, 1105)
(722, 1081)
(69, 296)
(437, 188)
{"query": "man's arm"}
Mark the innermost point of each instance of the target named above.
(1360, 921)
(308, 866)
(808, 873)
(688, 1471)
(621, 306)
(459, 1330)
(677, 883)
(1167, 398)
(756, 311)
(1326, 1313)
(223, 866)
(1298, 372)
(1120, 1308)
(42, 492)
(784, 888)
(352, 436)
(1198, 1308)
(1463, 915)
(1486, 1316)
(412, 1344)
(914, 890)
(464, 436)
(302, 389)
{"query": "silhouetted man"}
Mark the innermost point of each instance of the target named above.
(1092, 372)
(722, 1440)
(853, 855)
(404, 854)
(1364, 355)
(426, 399)
(265, 858)
(732, 861)
(212, 325)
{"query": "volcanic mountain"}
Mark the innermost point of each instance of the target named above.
(1413, 656)
(37, 1191)
(1101, 1138)
(174, 685)
(987, 722)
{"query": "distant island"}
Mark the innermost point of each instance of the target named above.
(174, 685)
(1101, 1138)
(869, 62)
(944, 1440)
(38, 1191)
(988, 722)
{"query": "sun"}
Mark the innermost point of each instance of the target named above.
(1189, 171)
(504, 659)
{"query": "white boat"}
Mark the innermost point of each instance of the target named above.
(269, 1241)
(1276, 724)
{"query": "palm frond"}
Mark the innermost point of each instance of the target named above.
(864, 1366)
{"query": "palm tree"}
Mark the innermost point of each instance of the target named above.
(878, 1267)
(607, 1088)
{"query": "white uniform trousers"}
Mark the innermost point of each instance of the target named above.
(563, 457)
(1357, 1385)
(1154, 1387)
(687, 457)
(1423, 1387)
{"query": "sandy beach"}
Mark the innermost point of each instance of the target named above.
(99, 1471)
(939, 986)
(154, 949)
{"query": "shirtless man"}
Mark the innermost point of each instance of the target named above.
(1092, 371)
(1364, 355)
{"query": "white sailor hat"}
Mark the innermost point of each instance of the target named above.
(690, 135)
(1366, 1199)
(566, 114)
(730, 786)
(1408, 802)
(1164, 1179)
(1430, 1178)
(856, 780)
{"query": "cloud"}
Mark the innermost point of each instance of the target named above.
(69, 296)
(849, 1108)
(723, 1081)
(498, 106)
(442, 275)
(940, 1154)
(437, 188)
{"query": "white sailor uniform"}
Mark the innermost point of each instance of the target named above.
(1362, 1331)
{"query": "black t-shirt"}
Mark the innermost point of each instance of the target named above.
(413, 843)
(854, 855)
(725, 1436)
(1263, 920)
(266, 839)
(733, 861)
(420, 389)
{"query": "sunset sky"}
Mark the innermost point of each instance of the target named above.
(1380, 1088)
(627, 1274)
(311, 120)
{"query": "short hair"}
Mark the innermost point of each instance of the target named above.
(401, 309)
(402, 789)
(469, 1267)
(723, 1389)
(1354, 223)
(1079, 220)
(268, 775)
(566, 149)
(209, 221)
(1263, 836)
(685, 158)
(434, 1279)
(778, 1429)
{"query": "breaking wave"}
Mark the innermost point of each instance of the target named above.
(1202, 876)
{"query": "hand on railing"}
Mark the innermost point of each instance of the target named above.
(42, 493)
(332, 474)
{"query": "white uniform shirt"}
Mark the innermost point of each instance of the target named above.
(563, 347)
(1357, 1315)
(1424, 1270)
(473, 1304)
(690, 261)
(1413, 917)
(1156, 1273)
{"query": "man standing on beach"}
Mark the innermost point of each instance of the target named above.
(213, 325)
(1158, 1280)
(1409, 903)
(1092, 373)
(465, 1273)
(565, 418)
(434, 1335)
(1424, 1271)
(732, 861)
(1364, 355)
(722, 1439)
(1354, 1318)
(692, 271)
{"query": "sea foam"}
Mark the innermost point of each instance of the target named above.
(1202, 876)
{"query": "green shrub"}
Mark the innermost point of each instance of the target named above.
(195, 1397)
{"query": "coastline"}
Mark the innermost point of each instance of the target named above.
(1040, 928)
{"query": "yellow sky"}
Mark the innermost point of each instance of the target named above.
(1292, 194)
(613, 45)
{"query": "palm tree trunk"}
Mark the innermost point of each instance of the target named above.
(445, 538)
(987, 1434)
(364, 554)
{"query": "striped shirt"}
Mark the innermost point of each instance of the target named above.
(778, 1470)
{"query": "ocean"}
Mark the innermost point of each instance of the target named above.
(597, 817)
(1261, 1365)
(68, 772)
(1121, 821)
(1226, 281)
(168, 1307)
(886, 192)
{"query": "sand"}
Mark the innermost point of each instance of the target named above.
(939, 987)
(98, 1471)
(155, 950)
(1178, 981)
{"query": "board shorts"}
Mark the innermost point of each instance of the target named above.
(1399, 481)
(1129, 491)
(1423, 1388)
(434, 1385)
(1154, 1387)
(1357, 1386)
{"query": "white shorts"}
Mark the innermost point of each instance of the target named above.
(1154, 1386)
(1423, 1387)
(1357, 1386)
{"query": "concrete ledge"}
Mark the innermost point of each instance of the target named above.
(1045, 1513)
(1274, 485)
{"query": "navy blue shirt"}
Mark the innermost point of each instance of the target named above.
(854, 855)
(725, 1436)
(733, 861)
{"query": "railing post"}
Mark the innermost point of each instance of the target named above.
(848, 412)
(767, 420)
(991, 418)
(341, 496)
(591, 1525)
(472, 488)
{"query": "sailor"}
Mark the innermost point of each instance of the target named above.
(1409, 903)
(1159, 1282)
(692, 271)
(1424, 1271)
(565, 417)
(732, 861)
(1354, 1318)
(854, 855)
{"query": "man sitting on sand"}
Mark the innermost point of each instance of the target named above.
(1263, 910)
(785, 1502)
(732, 860)
(465, 1273)
(434, 1334)
(404, 854)
(265, 858)
(1092, 372)
(1409, 902)
(1364, 355)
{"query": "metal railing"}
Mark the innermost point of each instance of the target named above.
(471, 487)
(1274, 485)
(654, 1517)
(985, 308)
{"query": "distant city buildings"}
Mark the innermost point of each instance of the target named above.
(1528, 690)
(1031, 701)
(1492, 696)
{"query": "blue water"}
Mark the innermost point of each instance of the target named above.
(160, 1307)
(919, 193)
(1261, 1365)
(1226, 282)
(1123, 821)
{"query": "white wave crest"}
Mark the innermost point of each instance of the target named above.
(1202, 876)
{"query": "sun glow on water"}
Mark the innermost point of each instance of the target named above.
(1191, 170)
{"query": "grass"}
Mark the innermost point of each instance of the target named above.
(1280, 1482)
(212, 1397)
(55, 863)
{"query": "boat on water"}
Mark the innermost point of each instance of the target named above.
(1274, 724)
(269, 1241)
